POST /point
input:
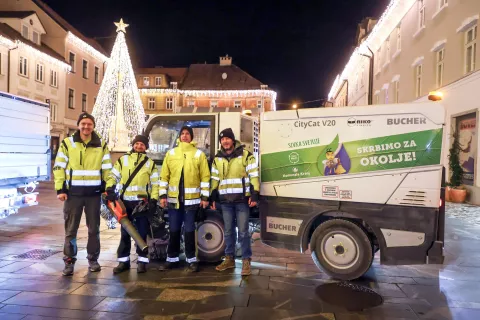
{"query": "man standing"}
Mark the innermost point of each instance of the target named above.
(236, 186)
(81, 166)
(141, 175)
(184, 185)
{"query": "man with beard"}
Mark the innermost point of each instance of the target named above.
(82, 163)
(143, 185)
(235, 186)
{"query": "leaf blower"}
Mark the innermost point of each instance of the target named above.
(118, 210)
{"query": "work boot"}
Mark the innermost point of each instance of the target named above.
(228, 263)
(168, 266)
(141, 267)
(69, 266)
(93, 266)
(122, 266)
(192, 267)
(246, 268)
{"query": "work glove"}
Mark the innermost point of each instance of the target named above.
(201, 214)
(152, 207)
(111, 194)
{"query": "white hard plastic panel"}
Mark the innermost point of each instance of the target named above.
(17, 124)
(23, 149)
(365, 187)
(23, 159)
(277, 136)
(20, 114)
(230, 120)
(424, 179)
(280, 115)
(40, 141)
(24, 171)
(432, 197)
(435, 112)
(23, 107)
(419, 181)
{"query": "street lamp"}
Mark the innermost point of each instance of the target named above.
(435, 96)
(294, 106)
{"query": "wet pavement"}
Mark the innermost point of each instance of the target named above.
(284, 284)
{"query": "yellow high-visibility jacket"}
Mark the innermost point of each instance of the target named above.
(80, 168)
(235, 176)
(185, 176)
(145, 183)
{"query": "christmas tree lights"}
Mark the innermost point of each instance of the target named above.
(118, 110)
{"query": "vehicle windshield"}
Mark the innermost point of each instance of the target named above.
(165, 134)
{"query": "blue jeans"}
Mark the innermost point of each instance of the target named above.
(239, 213)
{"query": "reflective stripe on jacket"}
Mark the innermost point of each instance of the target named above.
(189, 165)
(80, 168)
(144, 184)
(235, 176)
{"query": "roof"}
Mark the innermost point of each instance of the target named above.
(16, 14)
(209, 77)
(175, 74)
(13, 35)
(68, 27)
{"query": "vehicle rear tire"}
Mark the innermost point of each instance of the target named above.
(210, 240)
(342, 249)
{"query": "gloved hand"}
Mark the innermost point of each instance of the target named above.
(111, 194)
(152, 206)
(200, 215)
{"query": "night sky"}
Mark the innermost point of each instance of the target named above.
(296, 47)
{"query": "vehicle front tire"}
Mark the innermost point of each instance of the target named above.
(342, 249)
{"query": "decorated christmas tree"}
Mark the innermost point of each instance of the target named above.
(118, 110)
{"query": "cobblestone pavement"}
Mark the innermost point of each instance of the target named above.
(282, 286)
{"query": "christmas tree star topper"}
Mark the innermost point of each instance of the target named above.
(121, 26)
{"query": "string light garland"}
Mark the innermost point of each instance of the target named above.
(85, 47)
(389, 20)
(35, 52)
(45, 57)
(118, 109)
(6, 42)
(216, 93)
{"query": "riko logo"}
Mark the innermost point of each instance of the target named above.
(352, 122)
(399, 121)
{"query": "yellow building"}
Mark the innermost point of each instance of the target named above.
(203, 88)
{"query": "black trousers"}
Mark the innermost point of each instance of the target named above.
(142, 225)
(177, 217)
(73, 208)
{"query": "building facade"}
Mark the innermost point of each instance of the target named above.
(29, 67)
(203, 88)
(72, 85)
(421, 46)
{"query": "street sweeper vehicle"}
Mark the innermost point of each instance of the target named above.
(340, 183)
(24, 151)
